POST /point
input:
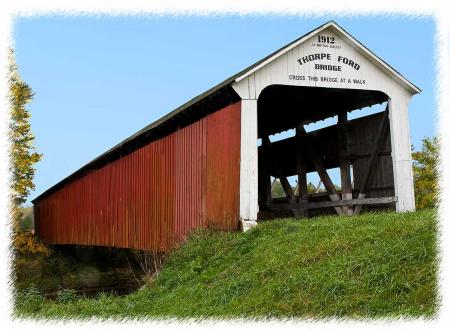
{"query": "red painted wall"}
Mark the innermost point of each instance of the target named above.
(153, 197)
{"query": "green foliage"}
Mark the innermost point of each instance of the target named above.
(66, 296)
(42, 271)
(426, 173)
(22, 154)
(22, 157)
(366, 266)
(29, 300)
(277, 190)
(84, 270)
(311, 188)
(26, 221)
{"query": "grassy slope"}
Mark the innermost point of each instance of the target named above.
(373, 265)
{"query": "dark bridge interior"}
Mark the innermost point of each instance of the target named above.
(283, 107)
(360, 148)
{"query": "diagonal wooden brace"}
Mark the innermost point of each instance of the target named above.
(310, 148)
(283, 180)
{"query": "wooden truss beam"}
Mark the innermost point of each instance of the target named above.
(287, 188)
(328, 204)
(283, 180)
(309, 146)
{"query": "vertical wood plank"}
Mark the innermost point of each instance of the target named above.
(378, 141)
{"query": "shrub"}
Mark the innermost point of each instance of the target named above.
(29, 300)
(25, 242)
(150, 263)
(66, 296)
(426, 173)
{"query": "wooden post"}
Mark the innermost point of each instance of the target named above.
(346, 184)
(301, 176)
(339, 203)
(266, 190)
(378, 142)
(316, 160)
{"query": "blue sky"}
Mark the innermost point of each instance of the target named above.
(97, 80)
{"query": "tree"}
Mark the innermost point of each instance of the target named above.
(277, 190)
(311, 188)
(425, 173)
(22, 152)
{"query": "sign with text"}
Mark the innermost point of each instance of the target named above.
(330, 65)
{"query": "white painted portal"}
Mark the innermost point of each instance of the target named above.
(327, 57)
(249, 164)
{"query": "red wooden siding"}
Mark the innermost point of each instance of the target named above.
(222, 148)
(153, 197)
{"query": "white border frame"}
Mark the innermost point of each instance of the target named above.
(273, 7)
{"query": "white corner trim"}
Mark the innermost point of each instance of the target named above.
(401, 152)
(249, 161)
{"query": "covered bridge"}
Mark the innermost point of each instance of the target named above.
(209, 163)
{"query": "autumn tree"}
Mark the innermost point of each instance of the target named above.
(22, 152)
(425, 163)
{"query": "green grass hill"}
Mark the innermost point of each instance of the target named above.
(368, 266)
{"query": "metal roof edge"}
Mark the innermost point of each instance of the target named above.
(235, 78)
(256, 66)
(378, 60)
(136, 135)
